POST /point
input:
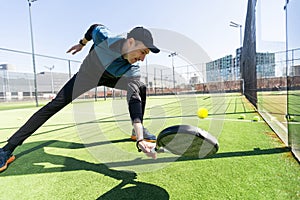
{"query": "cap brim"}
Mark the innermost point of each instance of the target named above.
(153, 48)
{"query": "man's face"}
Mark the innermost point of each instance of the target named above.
(136, 51)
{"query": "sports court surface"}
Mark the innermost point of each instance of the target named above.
(84, 152)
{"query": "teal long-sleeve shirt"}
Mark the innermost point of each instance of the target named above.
(108, 49)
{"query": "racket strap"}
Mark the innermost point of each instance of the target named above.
(137, 145)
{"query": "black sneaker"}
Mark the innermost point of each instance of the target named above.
(5, 159)
(147, 135)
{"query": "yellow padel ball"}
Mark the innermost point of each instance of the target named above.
(256, 119)
(242, 116)
(202, 113)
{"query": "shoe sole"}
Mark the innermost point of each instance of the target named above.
(10, 160)
(133, 137)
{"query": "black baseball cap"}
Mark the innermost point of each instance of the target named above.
(143, 35)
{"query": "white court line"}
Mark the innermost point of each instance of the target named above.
(234, 120)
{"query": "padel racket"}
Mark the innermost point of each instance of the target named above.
(186, 141)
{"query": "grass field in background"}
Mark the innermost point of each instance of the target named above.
(59, 160)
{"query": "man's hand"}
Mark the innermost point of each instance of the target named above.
(147, 148)
(76, 48)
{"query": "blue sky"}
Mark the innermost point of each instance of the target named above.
(57, 24)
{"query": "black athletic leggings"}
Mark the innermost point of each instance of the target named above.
(90, 75)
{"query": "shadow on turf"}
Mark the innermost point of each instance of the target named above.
(254, 152)
(32, 153)
(33, 160)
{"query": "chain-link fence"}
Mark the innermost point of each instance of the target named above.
(17, 82)
(279, 95)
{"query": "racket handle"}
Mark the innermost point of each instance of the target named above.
(159, 150)
(153, 150)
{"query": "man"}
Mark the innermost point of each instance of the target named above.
(109, 63)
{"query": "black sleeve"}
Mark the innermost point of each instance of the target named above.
(88, 34)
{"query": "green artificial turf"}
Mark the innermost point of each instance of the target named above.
(83, 152)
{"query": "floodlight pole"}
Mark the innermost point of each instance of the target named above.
(235, 25)
(33, 56)
(147, 78)
(172, 55)
(286, 67)
(286, 38)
